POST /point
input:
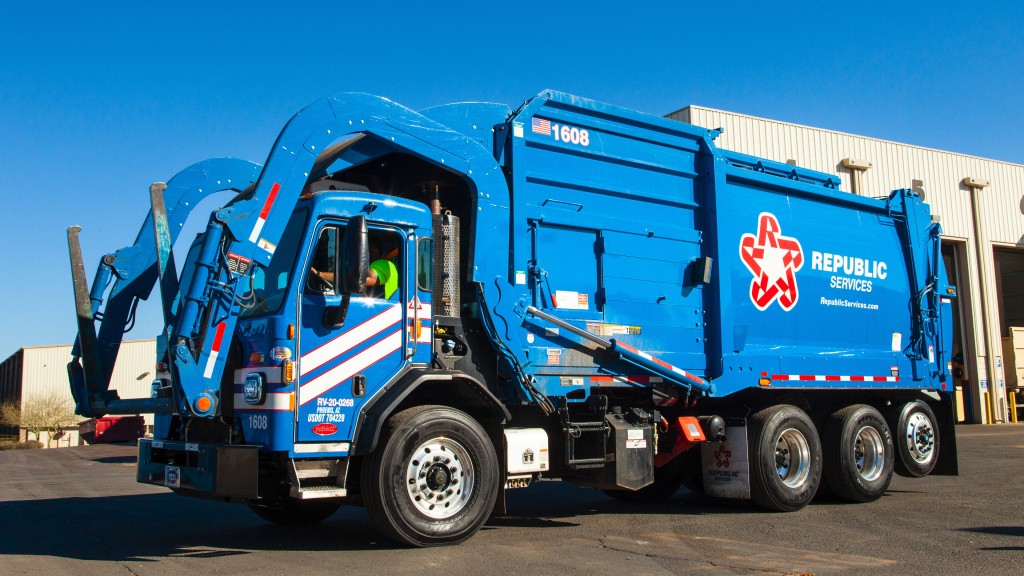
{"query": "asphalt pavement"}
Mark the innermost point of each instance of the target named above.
(79, 511)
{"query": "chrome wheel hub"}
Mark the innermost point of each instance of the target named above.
(920, 438)
(439, 478)
(792, 457)
(869, 453)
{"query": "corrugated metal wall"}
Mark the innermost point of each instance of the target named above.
(38, 371)
(10, 388)
(896, 165)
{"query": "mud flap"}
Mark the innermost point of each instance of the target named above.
(726, 465)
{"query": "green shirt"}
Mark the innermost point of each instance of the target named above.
(387, 276)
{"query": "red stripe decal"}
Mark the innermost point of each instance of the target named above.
(218, 337)
(832, 378)
(634, 379)
(627, 347)
(662, 363)
(270, 200)
(807, 377)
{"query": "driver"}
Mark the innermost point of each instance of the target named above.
(382, 281)
(383, 277)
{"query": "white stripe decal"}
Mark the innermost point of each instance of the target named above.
(342, 372)
(354, 337)
(210, 363)
(277, 401)
(272, 374)
(822, 378)
(257, 229)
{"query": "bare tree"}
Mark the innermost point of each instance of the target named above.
(49, 413)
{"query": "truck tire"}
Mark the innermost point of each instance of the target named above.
(916, 435)
(785, 458)
(433, 478)
(858, 454)
(294, 512)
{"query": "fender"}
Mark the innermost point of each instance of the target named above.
(465, 391)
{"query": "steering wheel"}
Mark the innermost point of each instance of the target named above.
(323, 282)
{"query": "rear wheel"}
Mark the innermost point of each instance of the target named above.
(433, 479)
(858, 454)
(294, 512)
(785, 458)
(916, 437)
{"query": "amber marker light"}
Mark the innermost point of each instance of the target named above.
(203, 404)
(291, 331)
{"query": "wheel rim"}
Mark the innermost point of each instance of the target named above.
(439, 478)
(920, 438)
(869, 453)
(792, 457)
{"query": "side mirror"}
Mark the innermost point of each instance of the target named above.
(334, 316)
(355, 257)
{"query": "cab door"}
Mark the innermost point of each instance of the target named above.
(340, 367)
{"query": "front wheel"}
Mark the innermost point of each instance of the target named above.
(917, 439)
(785, 458)
(433, 479)
(858, 454)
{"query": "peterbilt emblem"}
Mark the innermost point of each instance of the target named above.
(527, 456)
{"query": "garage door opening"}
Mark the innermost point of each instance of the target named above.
(1009, 268)
(953, 254)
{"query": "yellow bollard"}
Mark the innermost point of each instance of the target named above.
(1012, 398)
(989, 409)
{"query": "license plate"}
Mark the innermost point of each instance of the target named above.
(172, 476)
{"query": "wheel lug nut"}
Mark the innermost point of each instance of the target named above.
(437, 458)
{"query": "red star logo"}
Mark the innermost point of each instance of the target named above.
(722, 457)
(773, 259)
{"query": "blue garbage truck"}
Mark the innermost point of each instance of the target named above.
(417, 311)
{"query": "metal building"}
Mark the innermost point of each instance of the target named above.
(37, 371)
(980, 204)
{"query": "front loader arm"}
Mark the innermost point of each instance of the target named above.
(130, 274)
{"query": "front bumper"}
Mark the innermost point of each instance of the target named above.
(205, 470)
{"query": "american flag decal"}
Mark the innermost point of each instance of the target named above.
(542, 126)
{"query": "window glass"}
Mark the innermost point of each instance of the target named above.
(321, 269)
(425, 264)
(386, 262)
(270, 284)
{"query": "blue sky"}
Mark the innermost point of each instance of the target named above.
(98, 102)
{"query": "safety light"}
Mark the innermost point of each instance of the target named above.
(161, 366)
(764, 381)
(288, 372)
(291, 331)
(203, 404)
(255, 358)
(281, 353)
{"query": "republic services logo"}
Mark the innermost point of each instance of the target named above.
(774, 260)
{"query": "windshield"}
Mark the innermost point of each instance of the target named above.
(270, 284)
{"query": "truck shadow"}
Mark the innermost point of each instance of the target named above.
(151, 527)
